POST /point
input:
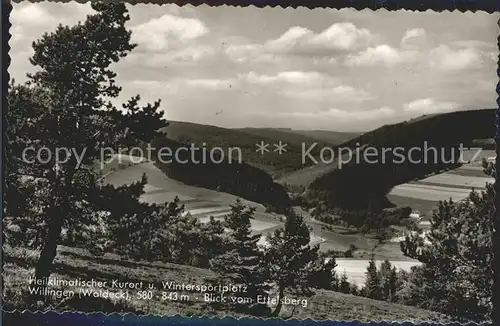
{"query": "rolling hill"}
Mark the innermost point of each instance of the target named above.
(444, 132)
(246, 140)
(447, 128)
(221, 174)
(438, 130)
(289, 135)
(334, 137)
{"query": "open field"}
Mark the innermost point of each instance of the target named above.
(425, 207)
(199, 202)
(423, 195)
(203, 203)
(426, 192)
(167, 189)
(469, 171)
(456, 180)
(117, 162)
(73, 263)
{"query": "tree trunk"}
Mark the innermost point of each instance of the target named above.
(44, 265)
(281, 293)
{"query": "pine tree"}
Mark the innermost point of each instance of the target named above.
(456, 275)
(291, 262)
(372, 286)
(345, 287)
(322, 272)
(385, 274)
(335, 284)
(393, 284)
(241, 264)
(354, 290)
(67, 104)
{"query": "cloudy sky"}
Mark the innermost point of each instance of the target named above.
(341, 70)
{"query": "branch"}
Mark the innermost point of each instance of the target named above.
(291, 314)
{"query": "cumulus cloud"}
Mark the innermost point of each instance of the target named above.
(381, 54)
(315, 78)
(493, 56)
(446, 58)
(176, 10)
(241, 52)
(413, 44)
(302, 78)
(178, 85)
(414, 39)
(415, 48)
(339, 36)
(291, 38)
(30, 20)
(342, 93)
(187, 56)
(157, 34)
(429, 106)
(309, 85)
(190, 53)
(343, 37)
(31, 14)
(213, 84)
(475, 44)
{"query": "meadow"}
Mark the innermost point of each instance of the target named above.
(424, 194)
(72, 263)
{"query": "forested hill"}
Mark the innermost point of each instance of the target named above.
(447, 128)
(247, 138)
(290, 135)
(360, 183)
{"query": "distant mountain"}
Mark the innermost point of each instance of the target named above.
(246, 140)
(308, 136)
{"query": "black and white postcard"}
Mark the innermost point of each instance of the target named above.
(220, 161)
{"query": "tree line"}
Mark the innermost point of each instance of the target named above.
(237, 178)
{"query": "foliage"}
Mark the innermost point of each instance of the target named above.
(18, 264)
(340, 187)
(373, 288)
(456, 276)
(364, 219)
(388, 281)
(344, 287)
(246, 139)
(241, 262)
(237, 178)
(67, 104)
(292, 263)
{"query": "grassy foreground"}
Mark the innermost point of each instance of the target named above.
(72, 263)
